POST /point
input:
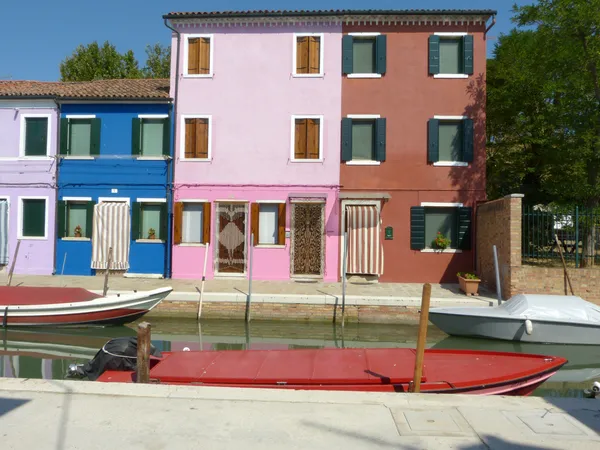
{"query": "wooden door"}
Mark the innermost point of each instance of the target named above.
(308, 238)
(231, 238)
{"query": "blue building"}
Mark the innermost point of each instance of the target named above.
(114, 178)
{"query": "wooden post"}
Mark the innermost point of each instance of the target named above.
(62, 271)
(344, 267)
(564, 263)
(12, 264)
(105, 290)
(415, 386)
(201, 291)
(143, 352)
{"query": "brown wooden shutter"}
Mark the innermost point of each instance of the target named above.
(254, 214)
(178, 223)
(314, 52)
(201, 150)
(190, 138)
(193, 56)
(300, 139)
(281, 225)
(312, 138)
(204, 56)
(206, 223)
(302, 54)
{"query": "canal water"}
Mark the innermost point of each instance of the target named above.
(47, 353)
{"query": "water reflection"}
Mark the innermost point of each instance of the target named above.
(46, 353)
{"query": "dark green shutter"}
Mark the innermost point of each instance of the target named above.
(467, 135)
(433, 138)
(380, 52)
(467, 42)
(89, 219)
(347, 59)
(36, 136)
(380, 140)
(163, 221)
(34, 217)
(417, 228)
(464, 228)
(136, 140)
(346, 139)
(95, 140)
(136, 212)
(64, 136)
(61, 219)
(434, 55)
(167, 137)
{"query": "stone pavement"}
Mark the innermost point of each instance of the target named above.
(77, 414)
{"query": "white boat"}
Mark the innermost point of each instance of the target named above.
(553, 319)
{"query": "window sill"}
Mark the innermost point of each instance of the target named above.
(230, 275)
(451, 164)
(451, 75)
(76, 239)
(151, 158)
(149, 241)
(448, 250)
(191, 244)
(269, 246)
(25, 238)
(200, 160)
(364, 75)
(209, 75)
(78, 157)
(308, 75)
(34, 158)
(304, 161)
(363, 163)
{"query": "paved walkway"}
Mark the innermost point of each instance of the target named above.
(74, 414)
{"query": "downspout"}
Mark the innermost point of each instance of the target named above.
(171, 172)
(57, 161)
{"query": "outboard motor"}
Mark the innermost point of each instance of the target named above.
(594, 392)
(117, 354)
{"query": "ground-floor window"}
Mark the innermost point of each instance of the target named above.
(75, 218)
(440, 227)
(149, 220)
(3, 231)
(33, 218)
(192, 222)
(268, 223)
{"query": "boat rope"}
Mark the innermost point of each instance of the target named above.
(113, 354)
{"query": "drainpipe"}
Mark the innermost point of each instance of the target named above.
(57, 161)
(490, 26)
(171, 172)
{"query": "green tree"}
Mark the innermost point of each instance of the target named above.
(92, 62)
(158, 61)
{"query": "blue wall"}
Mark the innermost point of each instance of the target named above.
(132, 178)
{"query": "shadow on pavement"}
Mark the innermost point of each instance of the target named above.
(8, 404)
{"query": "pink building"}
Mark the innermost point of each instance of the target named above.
(257, 146)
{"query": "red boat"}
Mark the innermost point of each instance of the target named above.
(380, 370)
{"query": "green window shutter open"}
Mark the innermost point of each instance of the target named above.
(467, 42)
(95, 139)
(464, 228)
(346, 139)
(347, 59)
(434, 55)
(89, 219)
(380, 52)
(61, 219)
(467, 134)
(64, 136)
(417, 228)
(136, 210)
(136, 141)
(433, 144)
(380, 133)
(167, 137)
(163, 221)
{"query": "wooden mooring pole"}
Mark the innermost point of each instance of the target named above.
(105, 290)
(564, 264)
(201, 291)
(143, 352)
(12, 264)
(415, 385)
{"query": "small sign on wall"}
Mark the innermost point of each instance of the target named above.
(114, 191)
(389, 233)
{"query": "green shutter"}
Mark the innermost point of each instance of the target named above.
(464, 228)
(167, 137)
(433, 137)
(380, 52)
(89, 219)
(346, 139)
(163, 221)
(380, 140)
(64, 136)
(467, 42)
(347, 60)
(34, 218)
(61, 219)
(136, 138)
(434, 55)
(467, 135)
(95, 139)
(36, 136)
(417, 228)
(136, 212)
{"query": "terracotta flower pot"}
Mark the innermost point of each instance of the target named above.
(469, 286)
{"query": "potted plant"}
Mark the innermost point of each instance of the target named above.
(77, 231)
(469, 283)
(151, 233)
(440, 242)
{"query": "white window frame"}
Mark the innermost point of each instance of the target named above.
(361, 162)
(75, 117)
(195, 201)
(450, 163)
(441, 205)
(270, 202)
(350, 202)
(75, 200)
(321, 73)
(186, 53)
(293, 137)
(451, 34)
(23, 132)
(7, 198)
(20, 217)
(182, 137)
(365, 35)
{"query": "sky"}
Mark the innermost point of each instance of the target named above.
(36, 35)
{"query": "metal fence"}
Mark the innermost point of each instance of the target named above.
(577, 229)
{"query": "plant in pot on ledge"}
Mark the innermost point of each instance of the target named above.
(469, 283)
(440, 242)
(151, 233)
(77, 231)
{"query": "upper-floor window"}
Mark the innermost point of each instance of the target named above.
(150, 136)
(363, 139)
(364, 55)
(307, 138)
(308, 51)
(450, 141)
(199, 55)
(35, 135)
(80, 136)
(451, 55)
(196, 138)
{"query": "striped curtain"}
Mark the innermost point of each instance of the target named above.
(112, 228)
(365, 250)
(3, 232)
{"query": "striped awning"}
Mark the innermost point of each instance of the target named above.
(365, 251)
(3, 232)
(112, 228)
